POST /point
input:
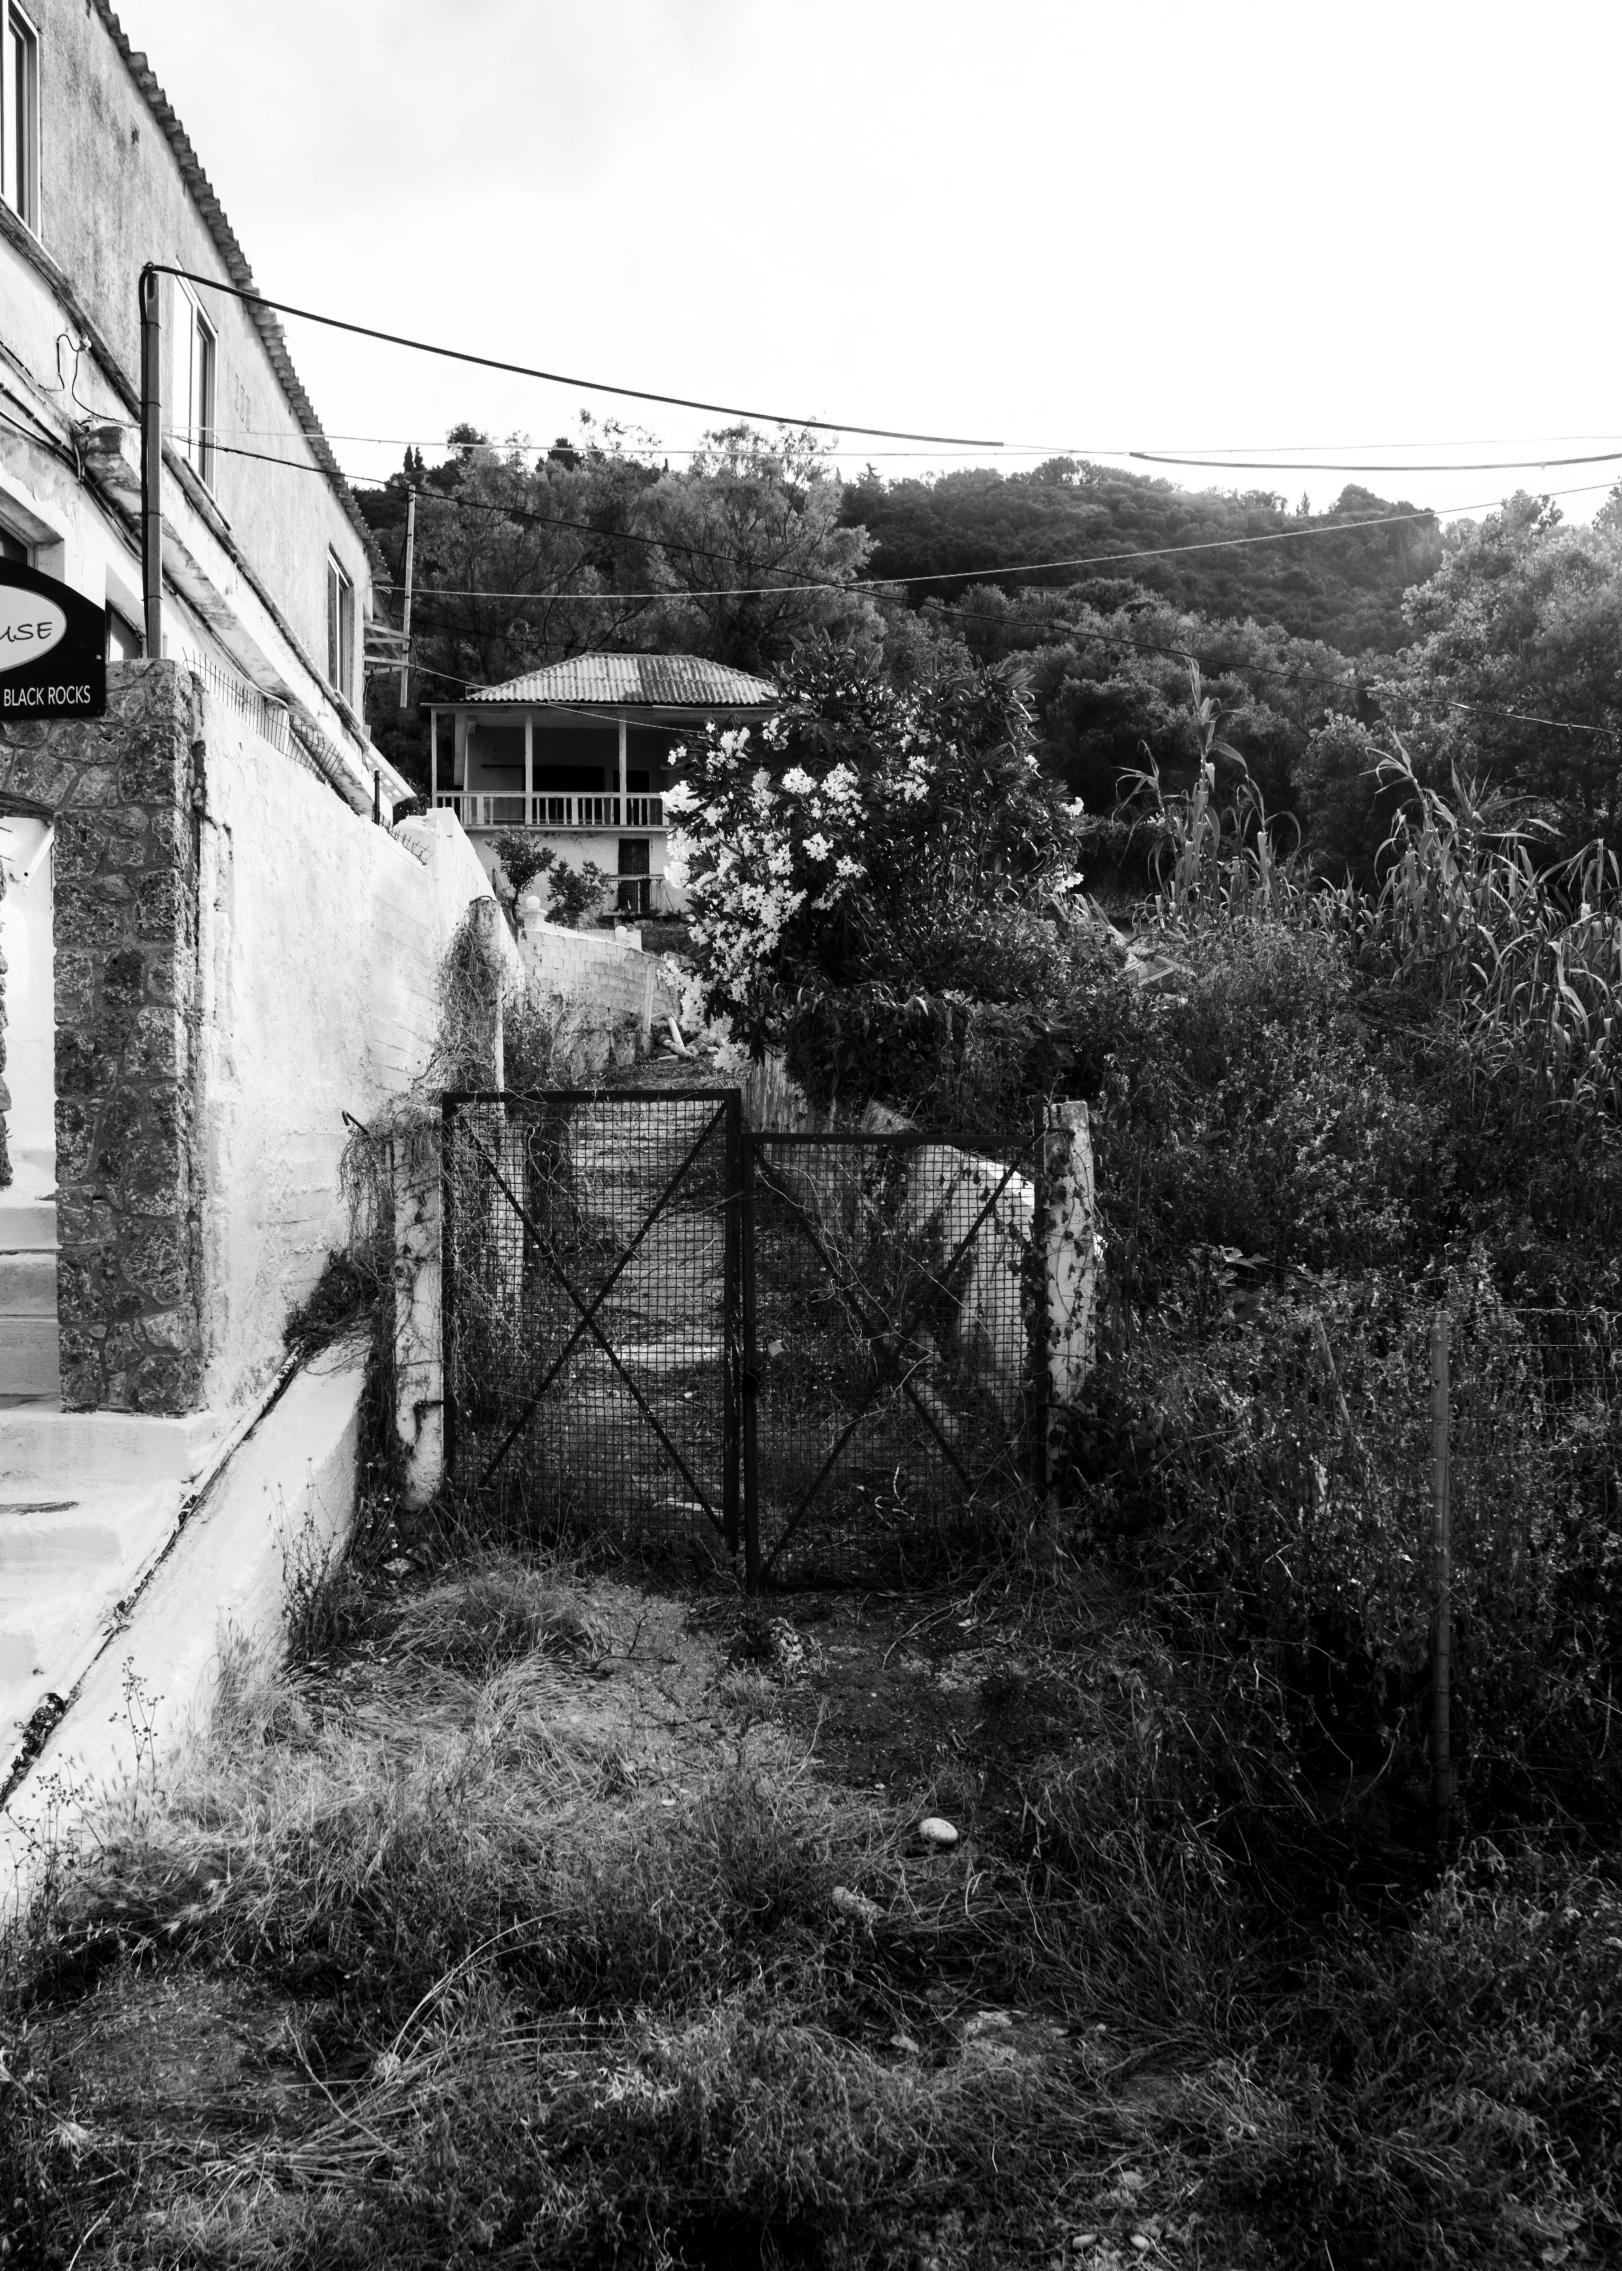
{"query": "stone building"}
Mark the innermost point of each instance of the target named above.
(217, 942)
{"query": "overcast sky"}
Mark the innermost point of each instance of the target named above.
(1275, 230)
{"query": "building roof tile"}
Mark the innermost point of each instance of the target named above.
(237, 269)
(654, 681)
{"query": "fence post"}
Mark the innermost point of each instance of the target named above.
(1442, 1568)
(447, 1283)
(749, 1376)
(731, 1340)
(1067, 1310)
(419, 1375)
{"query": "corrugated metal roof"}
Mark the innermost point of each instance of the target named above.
(655, 681)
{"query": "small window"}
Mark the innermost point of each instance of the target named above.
(13, 548)
(340, 630)
(19, 117)
(124, 642)
(196, 367)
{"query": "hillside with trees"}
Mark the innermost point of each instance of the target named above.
(1342, 583)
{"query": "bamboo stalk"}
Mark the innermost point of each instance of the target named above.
(1442, 1627)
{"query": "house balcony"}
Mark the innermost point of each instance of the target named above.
(484, 808)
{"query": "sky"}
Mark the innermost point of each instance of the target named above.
(1377, 235)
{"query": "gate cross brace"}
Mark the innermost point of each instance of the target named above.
(852, 1302)
(588, 1316)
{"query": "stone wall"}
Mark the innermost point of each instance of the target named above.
(121, 789)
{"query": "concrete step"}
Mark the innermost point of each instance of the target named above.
(64, 1566)
(27, 1284)
(65, 1540)
(27, 1226)
(57, 1454)
(30, 1357)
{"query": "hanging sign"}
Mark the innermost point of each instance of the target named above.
(53, 648)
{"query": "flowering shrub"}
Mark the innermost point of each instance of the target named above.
(868, 843)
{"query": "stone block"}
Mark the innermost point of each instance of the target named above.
(91, 1287)
(82, 1221)
(77, 973)
(94, 785)
(152, 1172)
(174, 1330)
(36, 773)
(76, 852)
(124, 975)
(157, 1258)
(81, 1063)
(162, 978)
(169, 1381)
(122, 1137)
(75, 1139)
(160, 906)
(126, 840)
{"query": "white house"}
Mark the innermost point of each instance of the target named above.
(579, 752)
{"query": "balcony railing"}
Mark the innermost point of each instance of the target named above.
(480, 808)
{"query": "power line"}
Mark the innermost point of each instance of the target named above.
(1312, 465)
(558, 378)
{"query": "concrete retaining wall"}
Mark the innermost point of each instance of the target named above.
(322, 940)
(600, 972)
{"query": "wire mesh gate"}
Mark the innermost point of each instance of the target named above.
(814, 1348)
(590, 1307)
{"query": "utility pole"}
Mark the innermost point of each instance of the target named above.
(152, 458)
(405, 613)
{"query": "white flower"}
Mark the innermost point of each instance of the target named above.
(1075, 808)
(797, 781)
(818, 847)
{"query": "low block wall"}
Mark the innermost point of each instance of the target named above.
(599, 971)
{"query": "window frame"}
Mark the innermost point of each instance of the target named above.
(196, 364)
(19, 117)
(340, 628)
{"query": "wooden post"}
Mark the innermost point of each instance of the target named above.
(151, 288)
(529, 769)
(405, 614)
(433, 759)
(1442, 1563)
(1069, 1302)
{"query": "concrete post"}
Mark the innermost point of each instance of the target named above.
(1070, 1276)
(419, 1376)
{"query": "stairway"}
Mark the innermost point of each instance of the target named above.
(86, 1501)
(29, 1370)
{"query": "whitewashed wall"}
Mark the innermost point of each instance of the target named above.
(320, 944)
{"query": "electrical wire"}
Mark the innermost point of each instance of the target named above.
(1316, 465)
(1006, 568)
(558, 378)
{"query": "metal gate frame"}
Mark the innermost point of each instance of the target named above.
(754, 1171)
(727, 1113)
(737, 1518)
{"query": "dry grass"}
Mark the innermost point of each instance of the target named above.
(557, 1948)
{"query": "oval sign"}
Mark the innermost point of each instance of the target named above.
(30, 625)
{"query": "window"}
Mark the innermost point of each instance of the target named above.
(196, 364)
(13, 548)
(124, 641)
(19, 117)
(340, 630)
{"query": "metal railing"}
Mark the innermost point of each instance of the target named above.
(480, 808)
